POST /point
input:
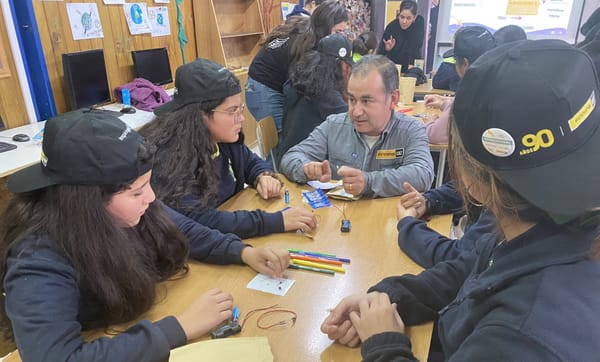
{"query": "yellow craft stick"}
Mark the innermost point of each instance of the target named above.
(319, 265)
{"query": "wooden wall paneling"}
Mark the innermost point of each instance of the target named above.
(208, 39)
(57, 39)
(12, 104)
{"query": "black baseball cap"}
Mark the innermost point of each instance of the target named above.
(83, 148)
(199, 81)
(338, 46)
(471, 42)
(524, 112)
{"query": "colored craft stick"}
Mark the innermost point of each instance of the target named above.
(319, 265)
(315, 259)
(321, 256)
(302, 267)
(298, 251)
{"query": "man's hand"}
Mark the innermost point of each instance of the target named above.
(320, 171)
(412, 203)
(353, 180)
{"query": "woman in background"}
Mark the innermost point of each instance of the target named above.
(284, 46)
(403, 38)
(315, 90)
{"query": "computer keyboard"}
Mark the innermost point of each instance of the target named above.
(6, 147)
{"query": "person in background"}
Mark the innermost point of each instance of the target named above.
(315, 90)
(446, 77)
(469, 44)
(284, 46)
(501, 301)
(372, 148)
(269, 70)
(201, 128)
(590, 27)
(364, 44)
(403, 37)
(307, 10)
(508, 34)
(592, 47)
(84, 244)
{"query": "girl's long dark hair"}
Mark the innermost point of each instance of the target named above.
(183, 163)
(328, 14)
(316, 75)
(117, 267)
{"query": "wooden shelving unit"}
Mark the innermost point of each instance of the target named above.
(228, 31)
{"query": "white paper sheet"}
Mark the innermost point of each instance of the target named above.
(270, 285)
(137, 18)
(84, 20)
(158, 17)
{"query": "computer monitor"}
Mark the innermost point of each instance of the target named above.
(153, 65)
(85, 78)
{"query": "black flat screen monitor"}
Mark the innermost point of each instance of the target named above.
(153, 65)
(85, 78)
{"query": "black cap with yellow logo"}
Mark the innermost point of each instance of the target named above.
(522, 110)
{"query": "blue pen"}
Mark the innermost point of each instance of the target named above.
(235, 314)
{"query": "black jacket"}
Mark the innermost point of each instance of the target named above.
(534, 298)
(301, 115)
(237, 166)
(408, 42)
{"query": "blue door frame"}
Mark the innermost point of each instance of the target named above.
(28, 37)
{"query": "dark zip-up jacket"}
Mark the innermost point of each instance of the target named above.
(46, 306)
(534, 298)
(237, 165)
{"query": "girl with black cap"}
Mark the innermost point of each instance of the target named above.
(201, 128)
(84, 243)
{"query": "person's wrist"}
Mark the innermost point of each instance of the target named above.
(267, 173)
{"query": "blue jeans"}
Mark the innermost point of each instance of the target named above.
(263, 101)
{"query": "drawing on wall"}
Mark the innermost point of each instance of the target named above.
(85, 21)
(137, 18)
(4, 69)
(158, 17)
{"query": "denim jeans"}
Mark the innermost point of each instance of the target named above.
(263, 101)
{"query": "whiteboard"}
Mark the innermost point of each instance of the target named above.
(541, 19)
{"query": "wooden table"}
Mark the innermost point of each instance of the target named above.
(371, 245)
(427, 88)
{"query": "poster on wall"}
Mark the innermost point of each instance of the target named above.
(137, 18)
(158, 17)
(84, 20)
(161, 1)
(541, 18)
(110, 2)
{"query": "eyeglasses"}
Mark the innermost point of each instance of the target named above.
(237, 114)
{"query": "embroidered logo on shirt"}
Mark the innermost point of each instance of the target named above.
(277, 43)
(390, 154)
